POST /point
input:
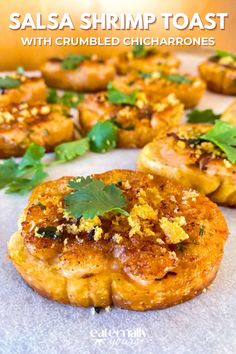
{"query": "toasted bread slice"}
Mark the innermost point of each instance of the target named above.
(29, 89)
(156, 85)
(153, 60)
(166, 251)
(219, 75)
(90, 75)
(39, 123)
(201, 165)
(137, 124)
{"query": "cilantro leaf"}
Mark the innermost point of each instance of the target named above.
(205, 116)
(71, 150)
(72, 61)
(139, 51)
(69, 98)
(23, 185)
(144, 75)
(116, 96)
(223, 54)
(95, 198)
(103, 136)
(24, 176)
(9, 82)
(20, 70)
(32, 158)
(223, 135)
(79, 182)
(8, 171)
(179, 79)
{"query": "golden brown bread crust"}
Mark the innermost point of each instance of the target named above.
(157, 87)
(173, 158)
(135, 264)
(32, 89)
(90, 76)
(39, 123)
(155, 60)
(219, 78)
(229, 115)
(137, 125)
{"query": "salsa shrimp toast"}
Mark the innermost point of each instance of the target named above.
(40, 123)
(78, 73)
(146, 243)
(144, 59)
(20, 88)
(138, 120)
(219, 73)
(157, 84)
(200, 156)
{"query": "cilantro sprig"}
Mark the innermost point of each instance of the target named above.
(9, 82)
(223, 54)
(116, 96)
(205, 116)
(103, 136)
(139, 51)
(223, 135)
(22, 177)
(68, 98)
(177, 78)
(93, 197)
(69, 151)
(72, 61)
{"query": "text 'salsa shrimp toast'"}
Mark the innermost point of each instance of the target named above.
(187, 88)
(219, 73)
(19, 88)
(83, 73)
(147, 60)
(165, 247)
(137, 124)
(184, 156)
(39, 123)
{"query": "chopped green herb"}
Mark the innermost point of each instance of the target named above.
(223, 54)
(48, 232)
(42, 206)
(179, 79)
(103, 136)
(69, 151)
(144, 75)
(69, 98)
(94, 198)
(205, 116)
(180, 247)
(20, 70)
(139, 51)
(9, 82)
(72, 61)
(201, 230)
(116, 96)
(223, 135)
(24, 176)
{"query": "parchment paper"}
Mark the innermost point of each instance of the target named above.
(30, 324)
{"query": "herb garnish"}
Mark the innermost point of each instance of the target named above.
(94, 198)
(223, 54)
(201, 230)
(179, 79)
(223, 135)
(22, 177)
(69, 151)
(139, 51)
(20, 70)
(205, 116)
(69, 98)
(9, 82)
(116, 96)
(72, 61)
(103, 136)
